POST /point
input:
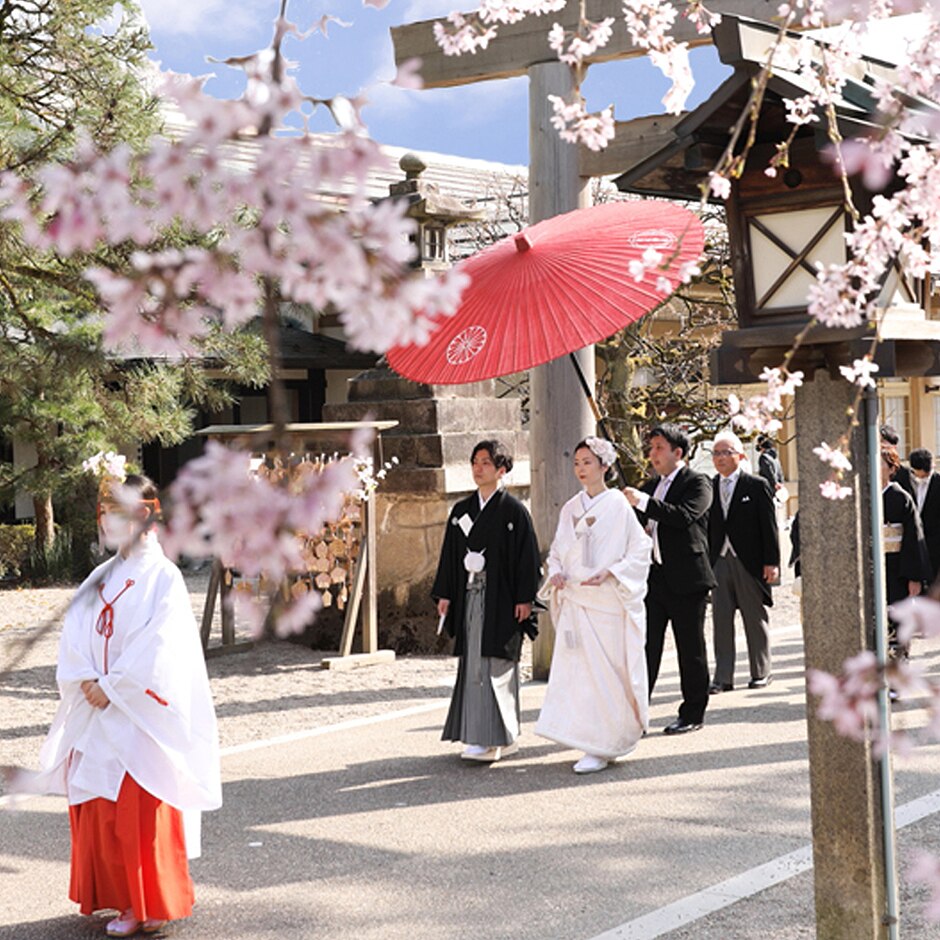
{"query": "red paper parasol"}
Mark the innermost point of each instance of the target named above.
(555, 287)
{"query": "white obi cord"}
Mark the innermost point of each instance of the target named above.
(582, 531)
(474, 562)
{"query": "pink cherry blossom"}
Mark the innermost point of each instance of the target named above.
(916, 617)
(409, 74)
(925, 869)
(860, 156)
(575, 125)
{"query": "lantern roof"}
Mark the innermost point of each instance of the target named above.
(695, 140)
(424, 198)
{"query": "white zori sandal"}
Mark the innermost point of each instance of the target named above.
(124, 925)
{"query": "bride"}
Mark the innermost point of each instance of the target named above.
(597, 697)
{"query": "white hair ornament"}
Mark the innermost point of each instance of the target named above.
(602, 449)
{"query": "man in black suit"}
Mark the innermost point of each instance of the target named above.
(768, 463)
(673, 506)
(744, 548)
(902, 475)
(926, 485)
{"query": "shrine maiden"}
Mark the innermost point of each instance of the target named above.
(485, 585)
(134, 744)
(597, 699)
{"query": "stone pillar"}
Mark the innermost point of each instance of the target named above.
(438, 427)
(838, 622)
(559, 413)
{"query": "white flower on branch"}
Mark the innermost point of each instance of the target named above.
(649, 23)
(575, 125)
(719, 185)
(801, 110)
(834, 457)
(833, 489)
(860, 372)
(574, 48)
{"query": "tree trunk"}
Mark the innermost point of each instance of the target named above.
(45, 530)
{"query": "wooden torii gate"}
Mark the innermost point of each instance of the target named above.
(559, 176)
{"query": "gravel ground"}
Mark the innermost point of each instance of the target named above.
(273, 688)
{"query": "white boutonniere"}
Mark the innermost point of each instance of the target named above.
(474, 562)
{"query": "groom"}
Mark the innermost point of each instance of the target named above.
(673, 506)
(485, 585)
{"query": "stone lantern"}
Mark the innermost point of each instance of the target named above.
(432, 210)
(780, 227)
(437, 428)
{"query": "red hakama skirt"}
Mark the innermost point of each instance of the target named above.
(130, 854)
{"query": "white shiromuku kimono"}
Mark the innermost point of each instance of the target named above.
(597, 698)
(132, 628)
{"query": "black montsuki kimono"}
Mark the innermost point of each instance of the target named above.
(503, 531)
(912, 562)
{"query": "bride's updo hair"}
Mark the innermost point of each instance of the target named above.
(601, 448)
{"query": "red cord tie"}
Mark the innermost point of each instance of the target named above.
(156, 698)
(105, 623)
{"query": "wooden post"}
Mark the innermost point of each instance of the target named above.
(227, 610)
(208, 611)
(560, 414)
(370, 613)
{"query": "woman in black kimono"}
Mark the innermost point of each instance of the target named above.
(907, 565)
(486, 582)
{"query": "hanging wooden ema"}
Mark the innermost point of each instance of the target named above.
(338, 560)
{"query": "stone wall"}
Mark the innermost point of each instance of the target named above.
(438, 427)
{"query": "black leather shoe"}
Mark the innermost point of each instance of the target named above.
(681, 726)
(760, 683)
(717, 687)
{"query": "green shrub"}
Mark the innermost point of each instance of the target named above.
(66, 560)
(77, 514)
(16, 543)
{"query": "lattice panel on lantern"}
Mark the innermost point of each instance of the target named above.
(785, 247)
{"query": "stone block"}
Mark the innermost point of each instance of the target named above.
(457, 415)
(417, 480)
(400, 446)
(384, 385)
(413, 415)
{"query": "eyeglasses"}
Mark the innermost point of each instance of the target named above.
(723, 453)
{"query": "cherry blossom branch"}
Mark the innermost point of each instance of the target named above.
(208, 243)
(648, 21)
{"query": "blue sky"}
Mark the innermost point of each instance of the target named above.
(487, 121)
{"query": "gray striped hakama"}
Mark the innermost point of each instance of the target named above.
(484, 709)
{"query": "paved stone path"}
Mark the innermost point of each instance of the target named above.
(355, 821)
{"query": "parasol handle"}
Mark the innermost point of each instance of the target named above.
(601, 421)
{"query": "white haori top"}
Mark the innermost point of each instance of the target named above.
(131, 627)
(597, 696)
